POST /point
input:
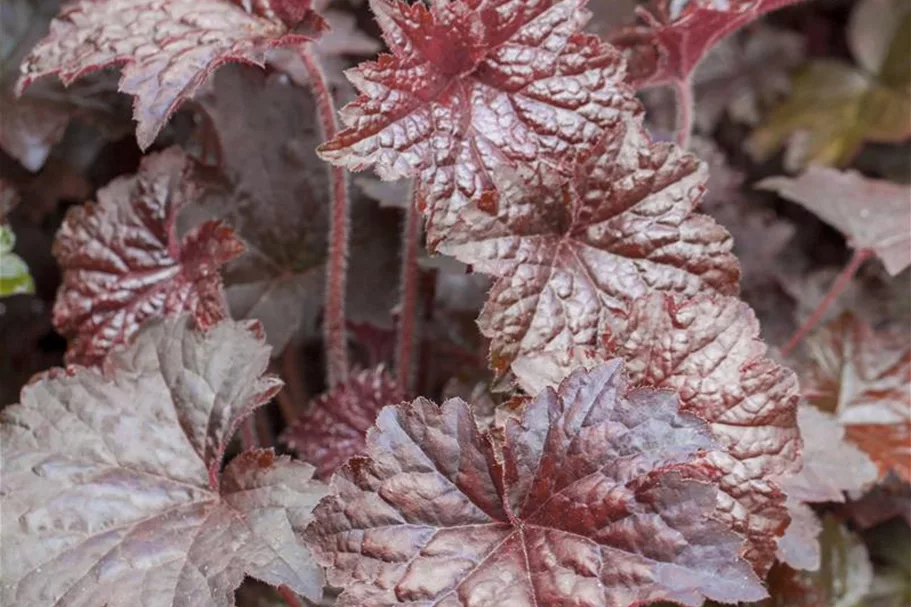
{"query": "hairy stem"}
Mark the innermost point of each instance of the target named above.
(334, 329)
(683, 94)
(841, 281)
(408, 303)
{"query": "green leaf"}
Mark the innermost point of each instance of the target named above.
(14, 276)
(836, 107)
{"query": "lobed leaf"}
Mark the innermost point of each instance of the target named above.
(864, 379)
(598, 498)
(473, 86)
(334, 428)
(123, 262)
(675, 36)
(112, 492)
(166, 50)
(570, 255)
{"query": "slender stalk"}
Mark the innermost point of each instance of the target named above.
(841, 282)
(334, 329)
(683, 93)
(248, 438)
(289, 597)
(408, 304)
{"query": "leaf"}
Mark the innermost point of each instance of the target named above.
(334, 428)
(831, 467)
(707, 349)
(14, 276)
(165, 50)
(111, 491)
(123, 263)
(472, 86)
(676, 36)
(843, 579)
(570, 255)
(864, 379)
(276, 197)
(598, 500)
(836, 107)
(871, 213)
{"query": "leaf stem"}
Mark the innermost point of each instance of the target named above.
(289, 597)
(408, 308)
(683, 94)
(841, 282)
(334, 328)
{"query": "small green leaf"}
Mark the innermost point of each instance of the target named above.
(14, 275)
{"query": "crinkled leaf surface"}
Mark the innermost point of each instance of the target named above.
(166, 50)
(708, 350)
(836, 107)
(567, 255)
(595, 502)
(335, 427)
(871, 213)
(677, 35)
(276, 197)
(123, 263)
(831, 466)
(470, 86)
(111, 490)
(864, 378)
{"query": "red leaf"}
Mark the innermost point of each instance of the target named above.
(570, 255)
(596, 499)
(111, 490)
(864, 378)
(335, 426)
(708, 350)
(676, 36)
(472, 86)
(123, 263)
(871, 213)
(166, 50)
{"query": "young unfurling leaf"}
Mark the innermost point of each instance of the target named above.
(123, 262)
(472, 86)
(112, 492)
(166, 50)
(601, 498)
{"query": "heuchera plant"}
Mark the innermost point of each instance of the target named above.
(256, 348)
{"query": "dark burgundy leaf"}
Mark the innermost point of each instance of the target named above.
(473, 86)
(335, 427)
(277, 200)
(111, 491)
(602, 497)
(166, 50)
(123, 262)
(569, 255)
